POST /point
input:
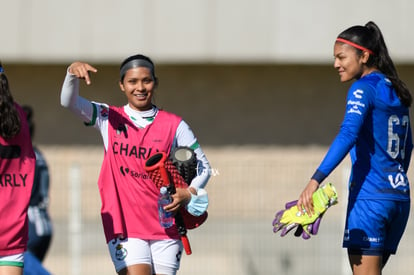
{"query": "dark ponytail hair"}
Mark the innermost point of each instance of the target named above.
(370, 37)
(9, 116)
(29, 117)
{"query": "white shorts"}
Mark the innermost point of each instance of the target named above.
(12, 260)
(163, 255)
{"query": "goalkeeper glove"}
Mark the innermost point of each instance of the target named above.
(291, 217)
(304, 231)
(310, 229)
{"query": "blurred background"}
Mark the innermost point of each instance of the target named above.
(255, 81)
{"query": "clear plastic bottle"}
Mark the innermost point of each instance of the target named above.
(164, 198)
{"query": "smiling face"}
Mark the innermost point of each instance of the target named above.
(139, 86)
(349, 63)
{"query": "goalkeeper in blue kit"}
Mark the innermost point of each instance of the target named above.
(376, 132)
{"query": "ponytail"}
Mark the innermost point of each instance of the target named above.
(386, 65)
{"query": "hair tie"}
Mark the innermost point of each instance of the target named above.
(354, 45)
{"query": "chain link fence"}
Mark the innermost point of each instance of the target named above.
(248, 185)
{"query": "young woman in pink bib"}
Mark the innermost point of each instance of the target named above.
(138, 244)
(17, 166)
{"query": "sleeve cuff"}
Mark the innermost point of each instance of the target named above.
(318, 176)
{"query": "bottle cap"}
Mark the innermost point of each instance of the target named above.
(163, 190)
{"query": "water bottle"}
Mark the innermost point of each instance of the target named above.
(164, 198)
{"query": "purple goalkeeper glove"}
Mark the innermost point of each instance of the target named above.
(306, 225)
(305, 231)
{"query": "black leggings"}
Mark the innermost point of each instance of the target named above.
(38, 245)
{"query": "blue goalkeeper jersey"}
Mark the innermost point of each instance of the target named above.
(376, 132)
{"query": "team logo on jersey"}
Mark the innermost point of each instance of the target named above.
(103, 110)
(399, 180)
(356, 105)
(358, 93)
(124, 171)
(120, 252)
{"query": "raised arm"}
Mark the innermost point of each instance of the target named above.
(69, 97)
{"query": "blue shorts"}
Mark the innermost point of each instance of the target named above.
(375, 227)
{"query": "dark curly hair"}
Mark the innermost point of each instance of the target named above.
(9, 117)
